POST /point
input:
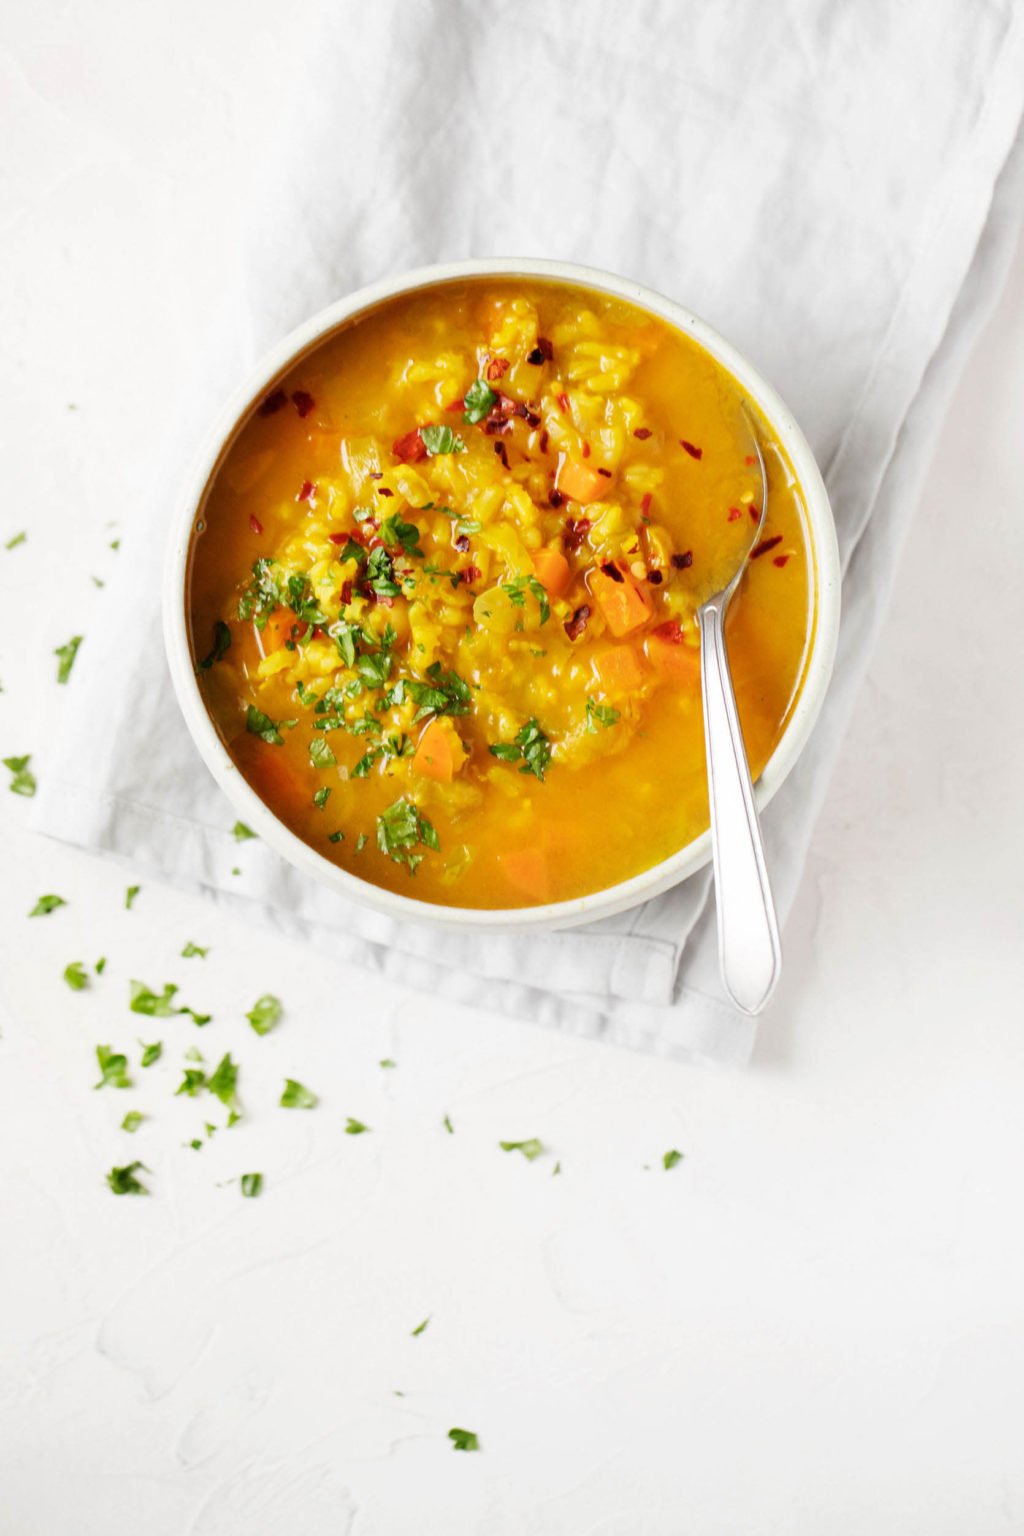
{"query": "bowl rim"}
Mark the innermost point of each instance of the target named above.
(234, 414)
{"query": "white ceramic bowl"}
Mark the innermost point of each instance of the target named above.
(281, 360)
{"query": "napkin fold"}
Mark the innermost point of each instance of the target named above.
(836, 188)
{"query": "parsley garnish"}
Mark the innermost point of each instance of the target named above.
(530, 1149)
(261, 725)
(397, 533)
(361, 842)
(221, 645)
(447, 1123)
(321, 797)
(113, 1068)
(262, 595)
(671, 1159)
(355, 1127)
(602, 712)
(420, 1328)
(320, 754)
(223, 1080)
(47, 904)
(76, 976)
(65, 655)
(22, 780)
(444, 694)
(531, 745)
(478, 400)
(438, 440)
(130, 895)
(252, 1185)
(142, 1000)
(241, 832)
(265, 1013)
(192, 1083)
(295, 1096)
(336, 837)
(132, 1120)
(517, 589)
(399, 829)
(386, 1061)
(345, 637)
(151, 1053)
(123, 1181)
(194, 949)
(380, 573)
(19, 538)
(302, 602)
(464, 1439)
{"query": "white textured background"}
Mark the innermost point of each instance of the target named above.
(814, 1323)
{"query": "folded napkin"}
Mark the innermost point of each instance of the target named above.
(833, 187)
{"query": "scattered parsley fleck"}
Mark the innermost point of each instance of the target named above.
(321, 797)
(336, 837)
(194, 949)
(361, 842)
(478, 400)
(603, 713)
(123, 1181)
(420, 1328)
(448, 1125)
(241, 832)
(320, 754)
(130, 895)
(252, 1185)
(101, 965)
(355, 1127)
(19, 538)
(532, 1148)
(132, 1120)
(193, 1082)
(76, 976)
(223, 1081)
(151, 1053)
(386, 1062)
(295, 1096)
(439, 440)
(47, 904)
(464, 1439)
(671, 1159)
(517, 589)
(65, 655)
(529, 744)
(265, 1013)
(380, 573)
(261, 725)
(23, 781)
(113, 1068)
(400, 828)
(399, 534)
(221, 645)
(141, 999)
(444, 694)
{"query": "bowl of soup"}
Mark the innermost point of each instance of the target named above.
(431, 593)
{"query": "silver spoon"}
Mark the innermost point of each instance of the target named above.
(749, 950)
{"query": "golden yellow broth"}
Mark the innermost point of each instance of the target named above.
(620, 395)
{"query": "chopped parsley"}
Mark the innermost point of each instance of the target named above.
(345, 636)
(295, 1096)
(386, 1061)
(531, 1148)
(400, 828)
(241, 832)
(355, 1127)
(124, 1182)
(265, 1013)
(380, 573)
(517, 589)
(101, 965)
(444, 694)
(439, 440)
(261, 725)
(65, 655)
(19, 538)
(132, 1120)
(223, 1081)
(464, 1439)
(23, 781)
(361, 842)
(336, 837)
(602, 713)
(151, 1053)
(477, 402)
(398, 534)
(193, 1082)
(262, 595)
(420, 1328)
(446, 1122)
(252, 1185)
(320, 754)
(76, 976)
(113, 1068)
(303, 604)
(671, 1159)
(141, 999)
(47, 904)
(130, 895)
(194, 949)
(221, 645)
(321, 797)
(529, 744)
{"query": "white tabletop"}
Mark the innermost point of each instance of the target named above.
(814, 1322)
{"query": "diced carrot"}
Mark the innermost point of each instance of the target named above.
(674, 660)
(579, 482)
(528, 871)
(619, 670)
(625, 606)
(439, 753)
(552, 571)
(278, 630)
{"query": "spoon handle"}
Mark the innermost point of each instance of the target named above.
(749, 950)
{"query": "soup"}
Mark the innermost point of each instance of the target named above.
(443, 590)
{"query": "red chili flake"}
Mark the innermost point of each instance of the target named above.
(576, 530)
(543, 352)
(544, 441)
(645, 505)
(734, 514)
(575, 626)
(409, 448)
(496, 367)
(530, 417)
(307, 491)
(374, 474)
(338, 538)
(695, 453)
(780, 560)
(273, 403)
(606, 472)
(555, 498)
(319, 633)
(303, 401)
(655, 578)
(500, 450)
(470, 573)
(671, 631)
(612, 571)
(764, 546)
(345, 595)
(586, 449)
(382, 490)
(456, 405)
(643, 433)
(357, 534)
(462, 543)
(563, 402)
(254, 523)
(683, 562)
(495, 426)
(750, 459)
